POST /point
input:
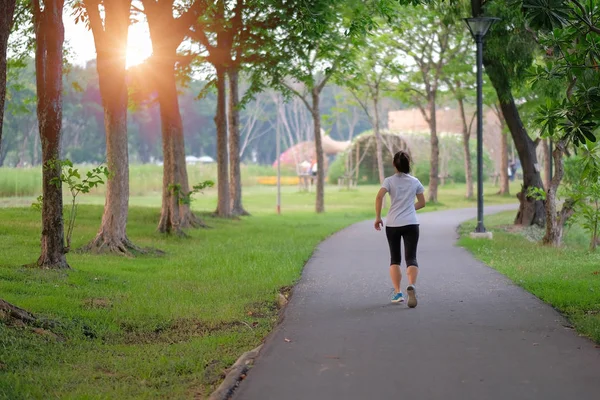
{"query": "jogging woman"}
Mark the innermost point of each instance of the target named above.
(402, 224)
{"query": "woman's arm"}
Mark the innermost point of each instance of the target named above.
(420, 201)
(378, 207)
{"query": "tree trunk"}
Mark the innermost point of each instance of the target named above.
(223, 202)
(175, 213)
(378, 140)
(10, 311)
(49, 32)
(316, 114)
(110, 48)
(466, 134)
(170, 217)
(531, 211)
(7, 11)
(554, 222)
(547, 163)
(235, 183)
(435, 153)
(504, 179)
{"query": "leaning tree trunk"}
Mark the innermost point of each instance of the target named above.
(554, 222)
(316, 114)
(49, 32)
(235, 182)
(466, 134)
(531, 211)
(112, 236)
(378, 141)
(223, 201)
(547, 163)
(435, 153)
(7, 11)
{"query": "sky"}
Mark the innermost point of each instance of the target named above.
(81, 42)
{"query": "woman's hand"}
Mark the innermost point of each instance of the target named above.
(378, 224)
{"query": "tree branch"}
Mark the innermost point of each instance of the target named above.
(362, 104)
(186, 20)
(590, 25)
(300, 96)
(96, 24)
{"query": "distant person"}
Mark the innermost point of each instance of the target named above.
(402, 224)
(513, 171)
(313, 172)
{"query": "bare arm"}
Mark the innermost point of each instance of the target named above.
(420, 201)
(378, 207)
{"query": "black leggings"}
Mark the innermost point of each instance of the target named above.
(410, 234)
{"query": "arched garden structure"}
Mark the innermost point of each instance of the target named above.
(360, 160)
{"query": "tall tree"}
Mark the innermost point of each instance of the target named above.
(428, 39)
(311, 57)
(570, 36)
(167, 33)
(7, 10)
(109, 21)
(50, 35)
(375, 65)
(213, 34)
(234, 35)
(460, 82)
(506, 62)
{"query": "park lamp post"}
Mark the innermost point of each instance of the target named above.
(479, 27)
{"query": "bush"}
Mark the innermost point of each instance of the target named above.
(337, 168)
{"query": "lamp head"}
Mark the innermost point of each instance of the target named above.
(479, 26)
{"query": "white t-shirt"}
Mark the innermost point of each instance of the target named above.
(403, 188)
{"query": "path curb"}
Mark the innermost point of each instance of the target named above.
(234, 376)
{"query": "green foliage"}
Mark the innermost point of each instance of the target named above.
(431, 38)
(572, 53)
(71, 178)
(510, 45)
(582, 185)
(186, 198)
(536, 193)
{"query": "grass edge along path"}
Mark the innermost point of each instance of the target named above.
(567, 278)
(159, 327)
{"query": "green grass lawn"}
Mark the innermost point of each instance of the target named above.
(168, 326)
(567, 278)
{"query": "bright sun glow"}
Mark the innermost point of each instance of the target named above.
(139, 46)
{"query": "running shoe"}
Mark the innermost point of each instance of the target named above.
(412, 296)
(398, 298)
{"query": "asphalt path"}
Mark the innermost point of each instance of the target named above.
(473, 335)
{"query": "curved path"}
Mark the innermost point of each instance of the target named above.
(474, 335)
